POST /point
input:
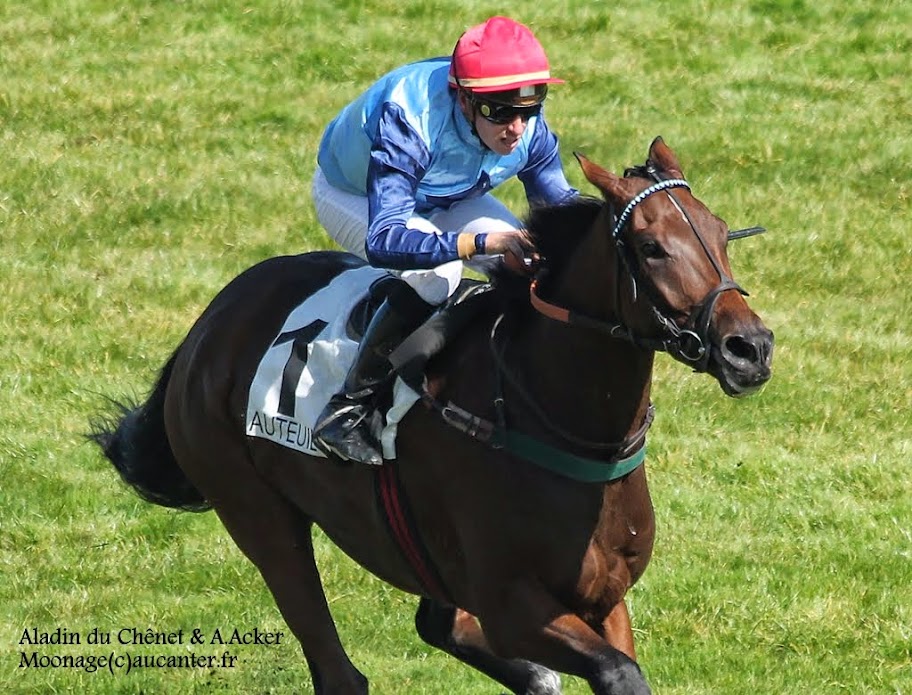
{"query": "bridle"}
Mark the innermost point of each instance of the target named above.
(690, 342)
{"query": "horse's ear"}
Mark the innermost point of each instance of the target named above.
(608, 183)
(663, 159)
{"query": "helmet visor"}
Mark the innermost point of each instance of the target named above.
(523, 97)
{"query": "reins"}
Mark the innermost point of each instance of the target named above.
(620, 449)
(624, 457)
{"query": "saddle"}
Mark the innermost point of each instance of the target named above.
(430, 338)
(309, 358)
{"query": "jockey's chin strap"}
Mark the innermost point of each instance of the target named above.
(689, 343)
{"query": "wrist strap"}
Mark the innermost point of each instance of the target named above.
(465, 245)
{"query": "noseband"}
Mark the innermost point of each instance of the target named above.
(689, 343)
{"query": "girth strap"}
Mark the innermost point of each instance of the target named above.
(401, 526)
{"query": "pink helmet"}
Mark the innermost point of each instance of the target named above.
(501, 55)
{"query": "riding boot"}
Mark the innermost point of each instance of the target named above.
(348, 427)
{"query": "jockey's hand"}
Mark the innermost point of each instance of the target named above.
(516, 247)
(515, 241)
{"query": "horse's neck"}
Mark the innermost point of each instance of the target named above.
(594, 387)
(604, 381)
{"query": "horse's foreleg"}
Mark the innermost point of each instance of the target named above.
(277, 538)
(618, 630)
(282, 549)
(531, 623)
(458, 633)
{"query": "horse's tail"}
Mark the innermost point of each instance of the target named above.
(137, 444)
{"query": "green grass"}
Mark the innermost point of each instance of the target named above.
(152, 150)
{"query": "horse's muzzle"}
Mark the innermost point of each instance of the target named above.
(743, 361)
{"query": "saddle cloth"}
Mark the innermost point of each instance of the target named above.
(307, 363)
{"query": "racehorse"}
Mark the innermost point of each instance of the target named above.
(522, 468)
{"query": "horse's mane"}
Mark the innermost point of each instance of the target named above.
(556, 231)
(643, 171)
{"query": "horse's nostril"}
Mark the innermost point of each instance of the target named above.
(738, 347)
(756, 349)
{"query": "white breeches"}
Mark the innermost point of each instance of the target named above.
(345, 217)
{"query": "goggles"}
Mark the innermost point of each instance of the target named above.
(501, 114)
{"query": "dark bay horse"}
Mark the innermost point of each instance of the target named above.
(533, 563)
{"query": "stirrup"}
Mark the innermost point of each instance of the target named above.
(346, 434)
(328, 419)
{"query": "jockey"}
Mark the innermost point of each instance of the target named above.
(404, 178)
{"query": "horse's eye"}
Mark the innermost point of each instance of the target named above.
(651, 249)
